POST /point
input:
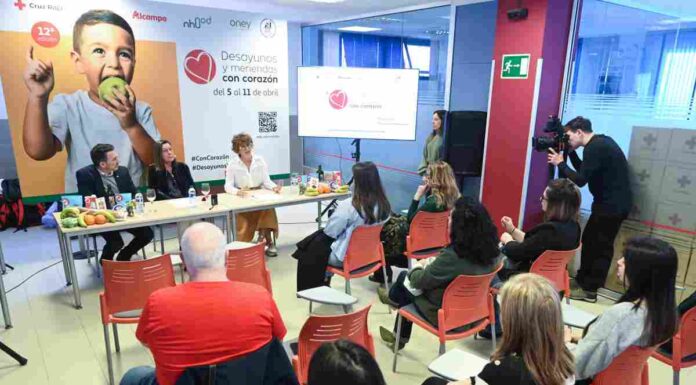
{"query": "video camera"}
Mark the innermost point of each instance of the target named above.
(558, 141)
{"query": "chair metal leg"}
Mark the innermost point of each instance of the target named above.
(181, 270)
(110, 364)
(348, 286)
(144, 253)
(443, 349)
(161, 232)
(21, 360)
(493, 334)
(675, 377)
(398, 338)
(386, 284)
(117, 344)
(310, 307)
(347, 308)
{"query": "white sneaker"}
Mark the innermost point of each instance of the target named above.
(272, 251)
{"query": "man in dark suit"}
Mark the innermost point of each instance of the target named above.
(97, 179)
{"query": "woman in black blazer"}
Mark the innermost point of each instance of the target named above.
(559, 231)
(169, 178)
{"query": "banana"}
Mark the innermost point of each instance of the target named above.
(70, 212)
(108, 215)
(81, 220)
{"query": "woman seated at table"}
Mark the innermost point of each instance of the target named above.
(473, 251)
(169, 178)
(560, 230)
(439, 181)
(368, 206)
(532, 351)
(247, 171)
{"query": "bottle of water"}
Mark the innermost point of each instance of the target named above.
(139, 204)
(192, 196)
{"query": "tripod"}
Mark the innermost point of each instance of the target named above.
(333, 204)
(6, 315)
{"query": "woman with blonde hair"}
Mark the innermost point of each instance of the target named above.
(248, 171)
(532, 350)
(439, 181)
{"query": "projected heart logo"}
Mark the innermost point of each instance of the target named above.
(199, 66)
(338, 99)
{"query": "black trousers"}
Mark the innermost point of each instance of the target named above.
(399, 294)
(114, 243)
(598, 249)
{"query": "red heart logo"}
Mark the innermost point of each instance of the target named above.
(338, 99)
(199, 66)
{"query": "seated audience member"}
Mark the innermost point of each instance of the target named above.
(206, 320)
(169, 178)
(105, 177)
(683, 307)
(343, 363)
(560, 230)
(440, 183)
(644, 316)
(532, 351)
(248, 171)
(368, 206)
(473, 251)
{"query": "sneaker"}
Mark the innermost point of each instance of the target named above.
(272, 251)
(580, 294)
(384, 297)
(388, 337)
(377, 279)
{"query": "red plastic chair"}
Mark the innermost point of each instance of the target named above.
(683, 345)
(553, 265)
(127, 285)
(249, 265)
(427, 235)
(628, 368)
(467, 300)
(319, 329)
(364, 255)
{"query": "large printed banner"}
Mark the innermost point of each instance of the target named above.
(196, 77)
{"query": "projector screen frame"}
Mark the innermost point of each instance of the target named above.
(415, 117)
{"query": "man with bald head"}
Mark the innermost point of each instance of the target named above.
(207, 320)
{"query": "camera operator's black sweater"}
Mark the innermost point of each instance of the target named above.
(605, 169)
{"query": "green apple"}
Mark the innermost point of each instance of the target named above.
(107, 86)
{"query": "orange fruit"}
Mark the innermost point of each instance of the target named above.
(89, 220)
(99, 219)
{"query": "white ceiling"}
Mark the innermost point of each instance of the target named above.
(305, 11)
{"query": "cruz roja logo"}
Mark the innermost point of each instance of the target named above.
(198, 22)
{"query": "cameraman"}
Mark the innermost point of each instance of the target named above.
(605, 169)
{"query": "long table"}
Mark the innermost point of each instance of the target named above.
(178, 210)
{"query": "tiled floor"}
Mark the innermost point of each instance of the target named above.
(66, 346)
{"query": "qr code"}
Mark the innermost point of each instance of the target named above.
(268, 121)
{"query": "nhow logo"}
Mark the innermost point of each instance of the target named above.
(198, 22)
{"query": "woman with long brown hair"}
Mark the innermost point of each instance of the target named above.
(170, 179)
(433, 143)
(439, 181)
(532, 350)
(369, 206)
(560, 230)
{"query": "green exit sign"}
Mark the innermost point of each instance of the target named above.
(515, 66)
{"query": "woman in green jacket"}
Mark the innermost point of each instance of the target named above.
(440, 183)
(473, 251)
(433, 144)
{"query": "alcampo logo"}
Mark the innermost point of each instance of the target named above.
(199, 66)
(338, 99)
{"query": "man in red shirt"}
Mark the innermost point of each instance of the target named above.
(205, 321)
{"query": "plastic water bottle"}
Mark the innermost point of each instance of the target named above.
(139, 204)
(192, 196)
